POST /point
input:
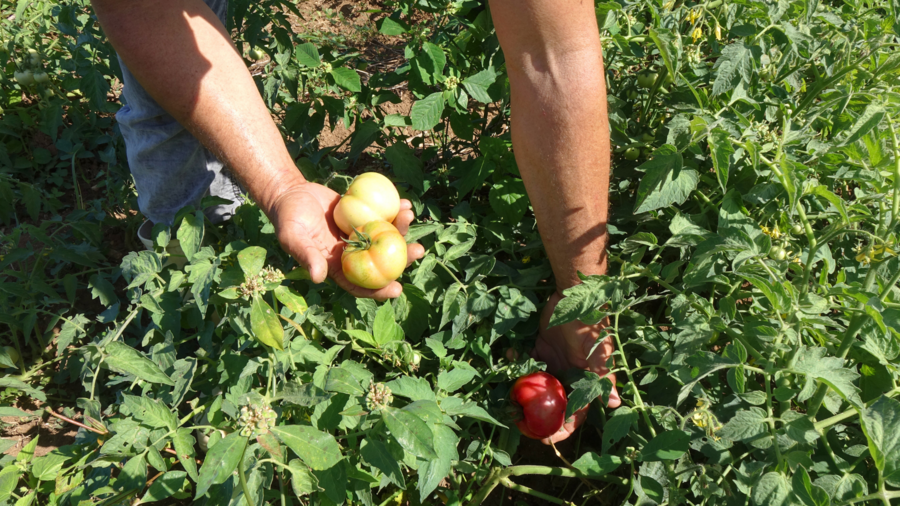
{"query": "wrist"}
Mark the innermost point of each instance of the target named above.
(271, 193)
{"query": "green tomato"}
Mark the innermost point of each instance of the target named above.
(797, 229)
(34, 58)
(777, 253)
(647, 137)
(668, 79)
(632, 94)
(632, 153)
(646, 78)
(256, 54)
(41, 77)
(24, 78)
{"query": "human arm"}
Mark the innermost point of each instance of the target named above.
(560, 135)
(182, 55)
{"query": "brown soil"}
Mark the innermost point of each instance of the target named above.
(51, 433)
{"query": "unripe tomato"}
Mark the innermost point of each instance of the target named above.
(24, 78)
(543, 402)
(632, 94)
(647, 137)
(797, 229)
(375, 256)
(632, 153)
(646, 78)
(256, 54)
(41, 77)
(34, 58)
(370, 197)
(12, 353)
(777, 253)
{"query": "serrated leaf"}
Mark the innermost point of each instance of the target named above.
(666, 181)
(586, 389)
(881, 424)
(721, 149)
(426, 113)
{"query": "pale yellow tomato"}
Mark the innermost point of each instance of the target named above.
(370, 197)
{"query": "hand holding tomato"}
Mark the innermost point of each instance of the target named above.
(566, 346)
(375, 255)
(305, 226)
(543, 402)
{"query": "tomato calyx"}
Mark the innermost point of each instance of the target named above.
(362, 242)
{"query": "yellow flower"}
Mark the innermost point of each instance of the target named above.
(526, 259)
(866, 257)
(718, 32)
(697, 34)
(884, 250)
(694, 15)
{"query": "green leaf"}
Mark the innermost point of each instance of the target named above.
(869, 119)
(668, 42)
(303, 482)
(721, 149)
(746, 425)
(809, 494)
(221, 460)
(815, 364)
(596, 466)
(265, 324)
(406, 165)
(151, 412)
(95, 87)
(410, 431)
(509, 200)
(583, 300)
(127, 360)
(302, 395)
(432, 61)
(477, 85)
(734, 66)
(454, 380)
(618, 426)
(586, 389)
(342, 381)
(9, 382)
(426, 113)
(347, 78)
(165, 486)
(184, 448)
(666, 181)
(308, 55)
(190, 234)
(291, 299)
(10, 411)
(668, 445)
(391, 26)
(377, 455)
(385, 328)
(46, 468)
(252, 260)
(319, 450)
(881, 424)
(772, 490)
(365, 134)
(652, 489)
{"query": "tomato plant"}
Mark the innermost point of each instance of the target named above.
(542, 400)
(375, 255)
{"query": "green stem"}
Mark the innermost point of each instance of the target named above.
(506, 482)
(895, 210)
(243, 478)
(637, 395)
(890, 284)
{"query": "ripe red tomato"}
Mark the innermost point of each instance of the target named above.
(375, 256)
(543, 402)
(370, 197)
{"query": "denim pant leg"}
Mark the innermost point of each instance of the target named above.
(171, 169)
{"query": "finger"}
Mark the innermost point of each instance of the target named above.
(308, 255)
(392, 291)
(568, 427)
(414, 252)
(404, 218)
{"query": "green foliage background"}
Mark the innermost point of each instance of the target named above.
(752, 289)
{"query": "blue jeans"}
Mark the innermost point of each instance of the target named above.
(171, 169)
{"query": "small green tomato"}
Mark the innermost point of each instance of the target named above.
(797, 229)
(632, 153)
(12, 353)
(25, 78)
(256, 54)
(41, 77)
